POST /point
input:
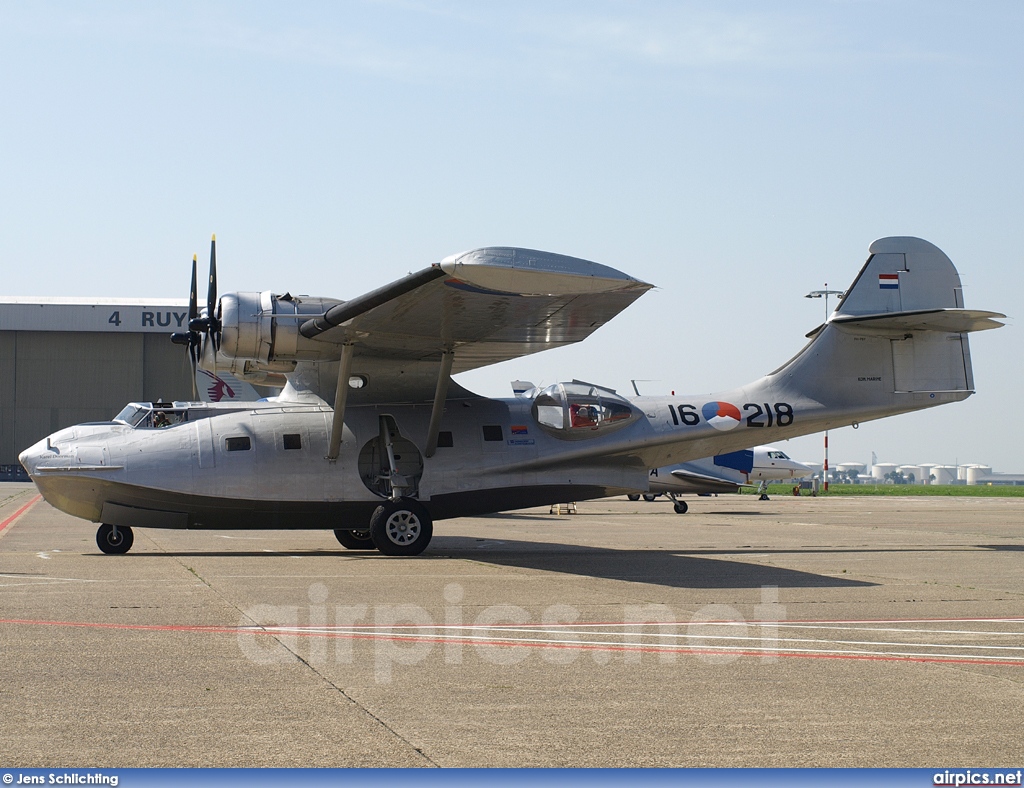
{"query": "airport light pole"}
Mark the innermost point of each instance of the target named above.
(825, 294)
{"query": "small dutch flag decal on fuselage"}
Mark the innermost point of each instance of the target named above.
(889, 281)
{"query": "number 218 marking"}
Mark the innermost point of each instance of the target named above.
(766, 416)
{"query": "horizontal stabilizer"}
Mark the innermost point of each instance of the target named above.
(952, 321)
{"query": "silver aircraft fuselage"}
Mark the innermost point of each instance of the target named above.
(262, 464)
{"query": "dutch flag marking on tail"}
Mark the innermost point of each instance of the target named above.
(889, 281)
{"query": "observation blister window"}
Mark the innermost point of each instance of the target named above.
(580, 410)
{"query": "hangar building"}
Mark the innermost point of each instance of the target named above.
(65, 361)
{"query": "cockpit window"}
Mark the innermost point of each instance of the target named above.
(166, 417)
(132, 414)
(150, 416)
(579, 410)
(777, 455)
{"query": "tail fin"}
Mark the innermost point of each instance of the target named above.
(223, 387)
(903, 274)
(522, 388)
(896, 342)
(910, 293)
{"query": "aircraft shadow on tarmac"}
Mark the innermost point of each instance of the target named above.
(672, 568)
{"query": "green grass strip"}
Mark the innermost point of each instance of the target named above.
(956, 490)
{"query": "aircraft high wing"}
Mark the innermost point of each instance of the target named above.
(370, 438)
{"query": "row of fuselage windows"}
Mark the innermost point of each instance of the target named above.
(294, 441)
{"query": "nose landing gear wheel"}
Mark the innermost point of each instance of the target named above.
(355, 540)
(114, 539)
(681, 507)
(401, 527)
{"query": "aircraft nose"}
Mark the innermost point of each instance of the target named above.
(30, 458)
(46, 452)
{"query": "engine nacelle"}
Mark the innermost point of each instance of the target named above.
(263, 328)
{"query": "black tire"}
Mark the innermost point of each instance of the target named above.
(681, 507)
(649, 497)
(114, 541)
(401, 527)
(355, 540)
(634, 496)
(764, 497)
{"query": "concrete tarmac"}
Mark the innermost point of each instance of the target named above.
(791, 632)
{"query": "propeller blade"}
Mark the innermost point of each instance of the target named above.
(211, 293)
(212, 304)
(216, 326)
(193, 355)
(193, 301)
(193, 339)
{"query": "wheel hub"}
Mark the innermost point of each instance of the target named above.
(403, 527)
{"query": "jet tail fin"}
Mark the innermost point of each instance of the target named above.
(223, 387)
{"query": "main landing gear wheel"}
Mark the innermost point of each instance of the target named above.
(114, 539)
(401, 527)
(355, 540)
(648, 497)
(681, 507)
(764, 497)
(634, 496)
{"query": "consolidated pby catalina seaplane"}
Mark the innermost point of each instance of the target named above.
(371, 438)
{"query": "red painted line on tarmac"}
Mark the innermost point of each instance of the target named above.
(256, 630)
(10, 520)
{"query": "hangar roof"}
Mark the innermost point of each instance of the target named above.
(118, 315)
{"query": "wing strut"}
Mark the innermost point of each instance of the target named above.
(340, 398)
(348, 310)
(444, 377)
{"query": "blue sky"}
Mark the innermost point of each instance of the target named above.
(737, 155)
